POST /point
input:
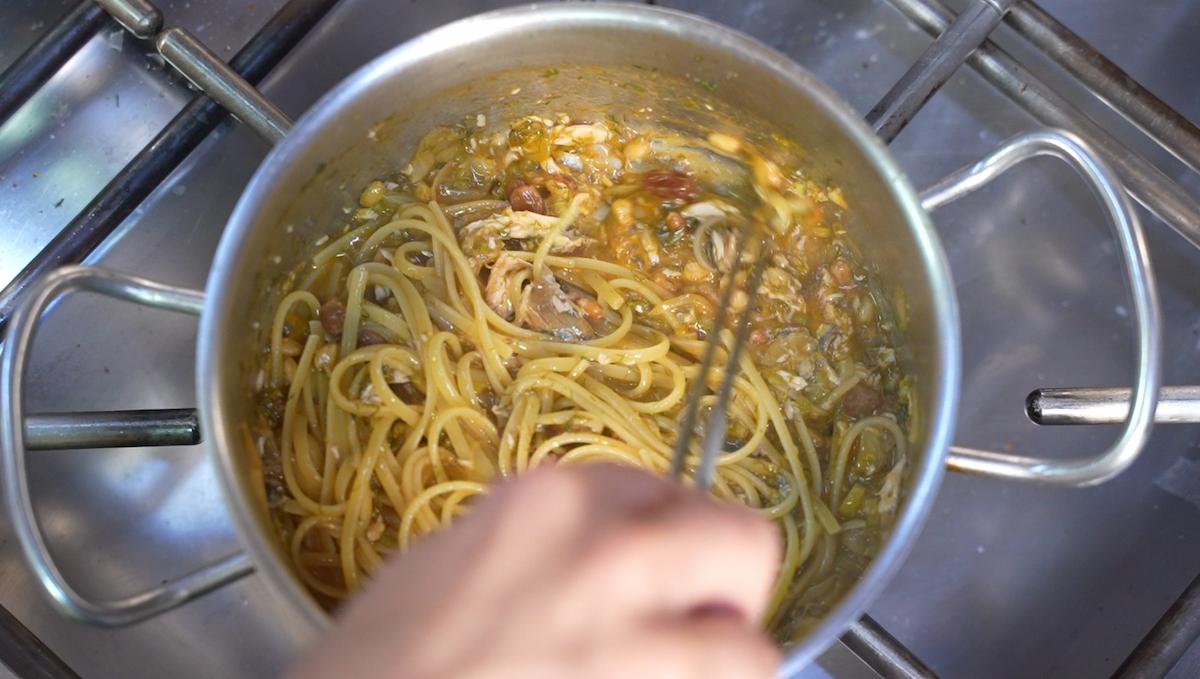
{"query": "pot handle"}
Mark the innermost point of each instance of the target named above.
(15, 484)
(1084, 471)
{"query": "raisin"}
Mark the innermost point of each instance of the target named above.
(367, 337)
(513, 184)
(861, 400)
(526, 197)
(333, 316)
(671, 185)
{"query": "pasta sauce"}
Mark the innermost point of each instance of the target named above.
(539, 291)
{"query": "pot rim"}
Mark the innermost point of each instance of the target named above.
(217, 319)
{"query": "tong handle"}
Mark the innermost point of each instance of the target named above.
(714, 430)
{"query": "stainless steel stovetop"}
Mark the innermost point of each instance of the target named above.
(1006, 579)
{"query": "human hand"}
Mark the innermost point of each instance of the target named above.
(589, 572)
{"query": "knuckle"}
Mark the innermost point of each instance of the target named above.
(758, 657)
(727, 649)
(738, 652)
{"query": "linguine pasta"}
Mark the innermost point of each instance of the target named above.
(540, 293)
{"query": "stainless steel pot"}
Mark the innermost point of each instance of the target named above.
(360, 129)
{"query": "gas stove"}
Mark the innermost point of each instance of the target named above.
(1006, 580)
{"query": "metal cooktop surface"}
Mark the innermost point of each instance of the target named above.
(1005, 580)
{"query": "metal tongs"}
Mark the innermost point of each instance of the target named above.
(751, 258)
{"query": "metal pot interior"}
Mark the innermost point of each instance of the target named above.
(637, 57)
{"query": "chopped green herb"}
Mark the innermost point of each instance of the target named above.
(59, 202)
